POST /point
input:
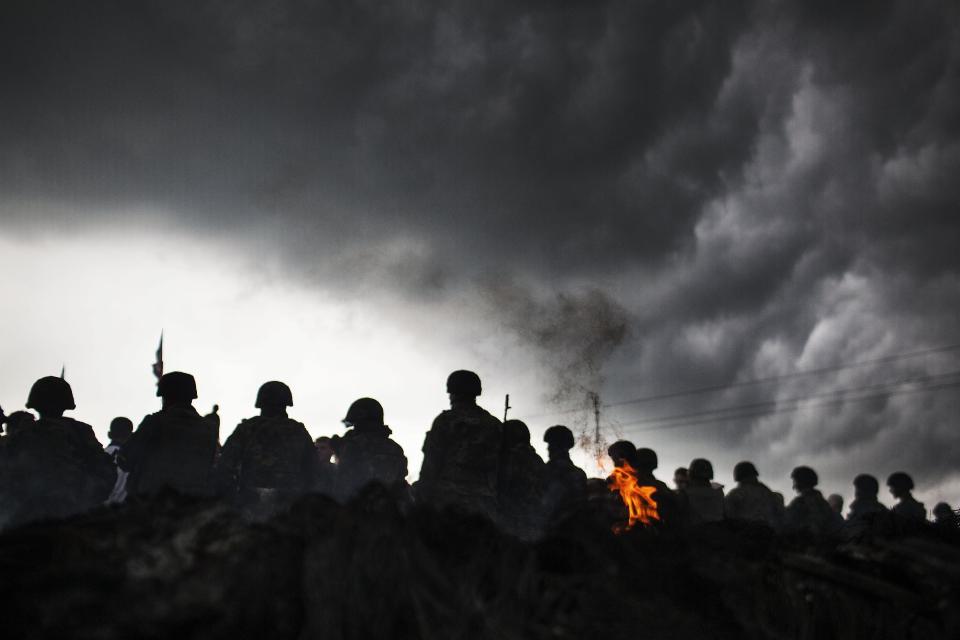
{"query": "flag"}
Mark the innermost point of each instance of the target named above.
(158, 365)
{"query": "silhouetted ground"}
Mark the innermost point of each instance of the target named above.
(176, 567)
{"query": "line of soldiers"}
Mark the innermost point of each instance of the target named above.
(54, 466)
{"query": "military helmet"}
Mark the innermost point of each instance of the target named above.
(272, 394)
(515, 432)
(560, 436)
(867, 484)
(805, 477)
(177, 386)
(622, 450)
(900, 480)
(364, 411)
(646, 459)
(51, 394)
(464, 383)
(744, 470)
(700, 469)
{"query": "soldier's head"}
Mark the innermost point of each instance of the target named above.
(745, 472)
(701, 471)
(51, 396)
(835, 500)
(622, 452)
(120, 430)
(559, 441)
(365, 413)
(681, 478)
(515, 434)
(866, 486)
(804, 479)
(463, 387)
(900, 484)
(177, 387)
(645, 460)
(273, 398)
(18, 421)
(944, 515)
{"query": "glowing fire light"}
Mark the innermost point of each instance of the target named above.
(638, 499)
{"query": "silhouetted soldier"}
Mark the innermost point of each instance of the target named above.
(809, 511)
(945, 518)
(174, 447)
(644, 462)
(865, 503)
(461, 452)
(521, 483)
(120, 431)
(901, 486)
(367, 454)
(681, 478)
(566, 483)
(325, 480)
(55, 466)
(866, 512)
(270, 458)
(752, 500)
(701, 501)
(19, 420)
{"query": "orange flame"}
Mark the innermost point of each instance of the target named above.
(638, 499)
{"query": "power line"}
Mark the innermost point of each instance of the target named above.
(796, 400)
(796, 407)
(757, 381)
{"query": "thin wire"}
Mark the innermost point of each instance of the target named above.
(796, 400)
(798, 407)
(755, 381)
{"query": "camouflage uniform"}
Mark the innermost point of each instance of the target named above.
(521, 486)
(55, 468)
(267, 453)
(369, 455)
(175, 448)
(461, 460)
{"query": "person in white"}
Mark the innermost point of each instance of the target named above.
(120, 430)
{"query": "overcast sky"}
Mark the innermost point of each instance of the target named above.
(624, 197)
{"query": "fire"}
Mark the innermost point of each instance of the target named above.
(638, 499)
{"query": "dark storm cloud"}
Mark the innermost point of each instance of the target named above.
(748, 189)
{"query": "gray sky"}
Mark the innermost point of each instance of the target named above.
(628, 197)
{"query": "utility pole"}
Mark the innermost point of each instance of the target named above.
(595, 398)
(597, 443)
(506, 407)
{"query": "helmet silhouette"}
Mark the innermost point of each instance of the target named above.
(646, 459)
(177, 386)
(364, 411)
(560, 436)
(464, 383)
(867, 484)
(900, 480)
(805, 477)
(744, 470)
(515, 432)
(51, 394)
(273, 394)
(700, 469)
